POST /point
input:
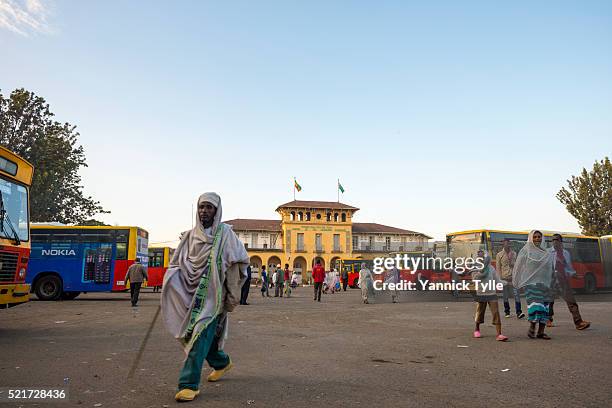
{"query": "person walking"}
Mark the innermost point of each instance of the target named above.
(287, 279)
(272, 275)
(279, 282)
(318, 276)
(393, 276)
(265, 288)
(533, 271)
(564, 271)
(345, 278)
(366, 283)
(246, 287)
(202, 284)
(504, 261)
(136, 275)
(486, 295)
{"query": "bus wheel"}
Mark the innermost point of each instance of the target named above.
(590, 284)
(70, 295)
(49, 287)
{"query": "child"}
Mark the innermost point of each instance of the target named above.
(486, 276)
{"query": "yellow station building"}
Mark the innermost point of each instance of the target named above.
(311, 231)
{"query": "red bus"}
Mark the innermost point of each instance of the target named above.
(584, 250)
(352, 266)
(158, 264)
(15, 180)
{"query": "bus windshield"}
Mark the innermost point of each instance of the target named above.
(15, 205)
(465, 245)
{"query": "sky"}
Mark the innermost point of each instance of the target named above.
(436, 116)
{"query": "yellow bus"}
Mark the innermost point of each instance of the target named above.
(15, 181)
(585, 251)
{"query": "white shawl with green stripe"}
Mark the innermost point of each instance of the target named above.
(200, 286)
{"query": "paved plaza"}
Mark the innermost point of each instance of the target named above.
(298, 353)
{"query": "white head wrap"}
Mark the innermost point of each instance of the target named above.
(200, 240)
(533, 265)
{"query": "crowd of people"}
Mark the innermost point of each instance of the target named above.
(210, 274)
(283, 281)
(541, 273)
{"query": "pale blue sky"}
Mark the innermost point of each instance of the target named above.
(436, 116)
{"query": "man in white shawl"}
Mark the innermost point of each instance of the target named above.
(393, 276)
(366, 283)
(202, 284)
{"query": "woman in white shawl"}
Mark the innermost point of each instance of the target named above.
(366, 283)
(533, 270)
(201, 285)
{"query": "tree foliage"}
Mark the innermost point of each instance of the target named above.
(589, 198)
(27, 128)
(92, 223)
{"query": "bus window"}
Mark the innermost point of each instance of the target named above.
(121, 251)
(40, 238)
(96, 236)
(65, 238)
(121, 237)
(517, 241)
(156, 258)
(465, 245)
(586, 251)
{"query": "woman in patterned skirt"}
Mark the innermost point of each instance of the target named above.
(533, 270)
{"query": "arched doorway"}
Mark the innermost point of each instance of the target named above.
(299, 266)
(335, 263)
(274, 260)
(256, 263)
(318, 259)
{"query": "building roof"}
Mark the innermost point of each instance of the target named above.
(358, 227)
(334, 205)
(255, 225)
(373, 228)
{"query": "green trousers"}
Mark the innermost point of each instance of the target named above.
(205, 347)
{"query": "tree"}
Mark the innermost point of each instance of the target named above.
(28, 129)
(92, 223)
(589, 198)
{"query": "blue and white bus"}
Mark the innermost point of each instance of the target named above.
(68, 260)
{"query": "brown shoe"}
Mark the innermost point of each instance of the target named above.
(583, 325)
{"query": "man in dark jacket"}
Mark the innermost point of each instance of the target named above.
(246, 287)
(345, 278)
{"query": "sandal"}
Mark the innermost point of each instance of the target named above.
(531, 333)
(544, 336)
(501, 337)
(477, 334)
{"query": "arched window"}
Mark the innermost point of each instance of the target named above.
(335, 217)
(328, 216)
(292, 216)
(300, 216)
(343, 217)
(308, 216)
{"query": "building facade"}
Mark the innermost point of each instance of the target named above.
(311, 231)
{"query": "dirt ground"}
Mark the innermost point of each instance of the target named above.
(299, 353)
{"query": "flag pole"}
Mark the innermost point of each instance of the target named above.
(338, 188)
(293, 188)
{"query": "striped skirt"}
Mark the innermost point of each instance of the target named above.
(538, 299)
